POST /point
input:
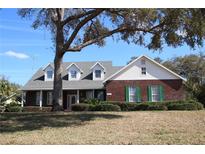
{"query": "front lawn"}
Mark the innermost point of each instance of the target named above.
(148, 127)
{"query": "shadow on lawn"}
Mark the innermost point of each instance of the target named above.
(14, 122)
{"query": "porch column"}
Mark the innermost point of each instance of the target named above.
(40, 99)
(78, 97)
(93, 93)
(22, 99)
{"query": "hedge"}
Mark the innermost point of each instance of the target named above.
(166, 105)
(81, 107)
(37, 109)
(106, 107)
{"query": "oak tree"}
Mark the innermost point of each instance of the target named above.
(75, 29)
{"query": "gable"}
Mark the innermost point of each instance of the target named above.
(154, 71)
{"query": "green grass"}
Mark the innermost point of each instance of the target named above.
(161, 127)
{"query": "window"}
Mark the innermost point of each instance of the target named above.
(100, 95)
(143, 69)
(38, 98)
(89, 94)
(49, 74)
(98, 73)
(73, 74)
(132, 94)
(155, 93)
(49, 98)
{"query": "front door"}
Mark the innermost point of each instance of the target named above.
(71, 99)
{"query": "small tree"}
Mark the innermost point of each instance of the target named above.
(75, 29)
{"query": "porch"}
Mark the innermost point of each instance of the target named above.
(43, 98)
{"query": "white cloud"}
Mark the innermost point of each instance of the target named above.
(16, 55)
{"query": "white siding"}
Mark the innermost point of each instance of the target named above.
(98, 67)
(153, 72)
(74, 68)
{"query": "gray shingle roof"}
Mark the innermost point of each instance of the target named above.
(37, 81)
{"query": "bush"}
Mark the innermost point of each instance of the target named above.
(198, 104)
(182, 106)
(106, 107)
(81, 107)
(157, 107)
(123, 106)
(13, 107)
(37, 109)
(92, 101)
(142, 107)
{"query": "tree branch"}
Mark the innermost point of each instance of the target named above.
(79, 26)
(70, 18)
(117, 30)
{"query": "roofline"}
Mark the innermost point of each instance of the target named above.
(137, 60)
(75, 65)
(47, 66)
(98, 64)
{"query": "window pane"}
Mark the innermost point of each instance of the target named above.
(49, 74)
(155, 93)
(143, 69)
(98, 73)
(73, 74)
(132, 93)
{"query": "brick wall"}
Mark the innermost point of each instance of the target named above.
(173, 89)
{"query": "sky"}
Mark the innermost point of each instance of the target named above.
(24, 50)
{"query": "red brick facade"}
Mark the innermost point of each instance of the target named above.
(173, 89)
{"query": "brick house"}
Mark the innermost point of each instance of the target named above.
(141, 80)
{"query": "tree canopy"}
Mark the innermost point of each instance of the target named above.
(75, 29)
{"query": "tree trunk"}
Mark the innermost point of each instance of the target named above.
(57, 91)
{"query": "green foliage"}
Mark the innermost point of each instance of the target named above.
(106, 107)
(13, 107)
(92, 101)
(166, 105)
(81, 107)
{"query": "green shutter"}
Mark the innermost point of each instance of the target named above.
(161, 92)
(138, 94)
(127, 94)
(149, 94)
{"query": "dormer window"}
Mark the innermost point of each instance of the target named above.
(98, 73)
(73, 74)
(49, 74)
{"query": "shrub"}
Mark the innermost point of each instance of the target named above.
(81, 107)
(198, 104)
(182, 106)
(92, 101)
(13, 107)
(157, 107)
(123, 105)
(106, 107)
(141, 107)
(37, 109)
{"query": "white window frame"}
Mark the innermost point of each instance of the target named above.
(100, 71)
(155, 94)
(143, 70)
(49, 94)
(37, 98)
(133, 94)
